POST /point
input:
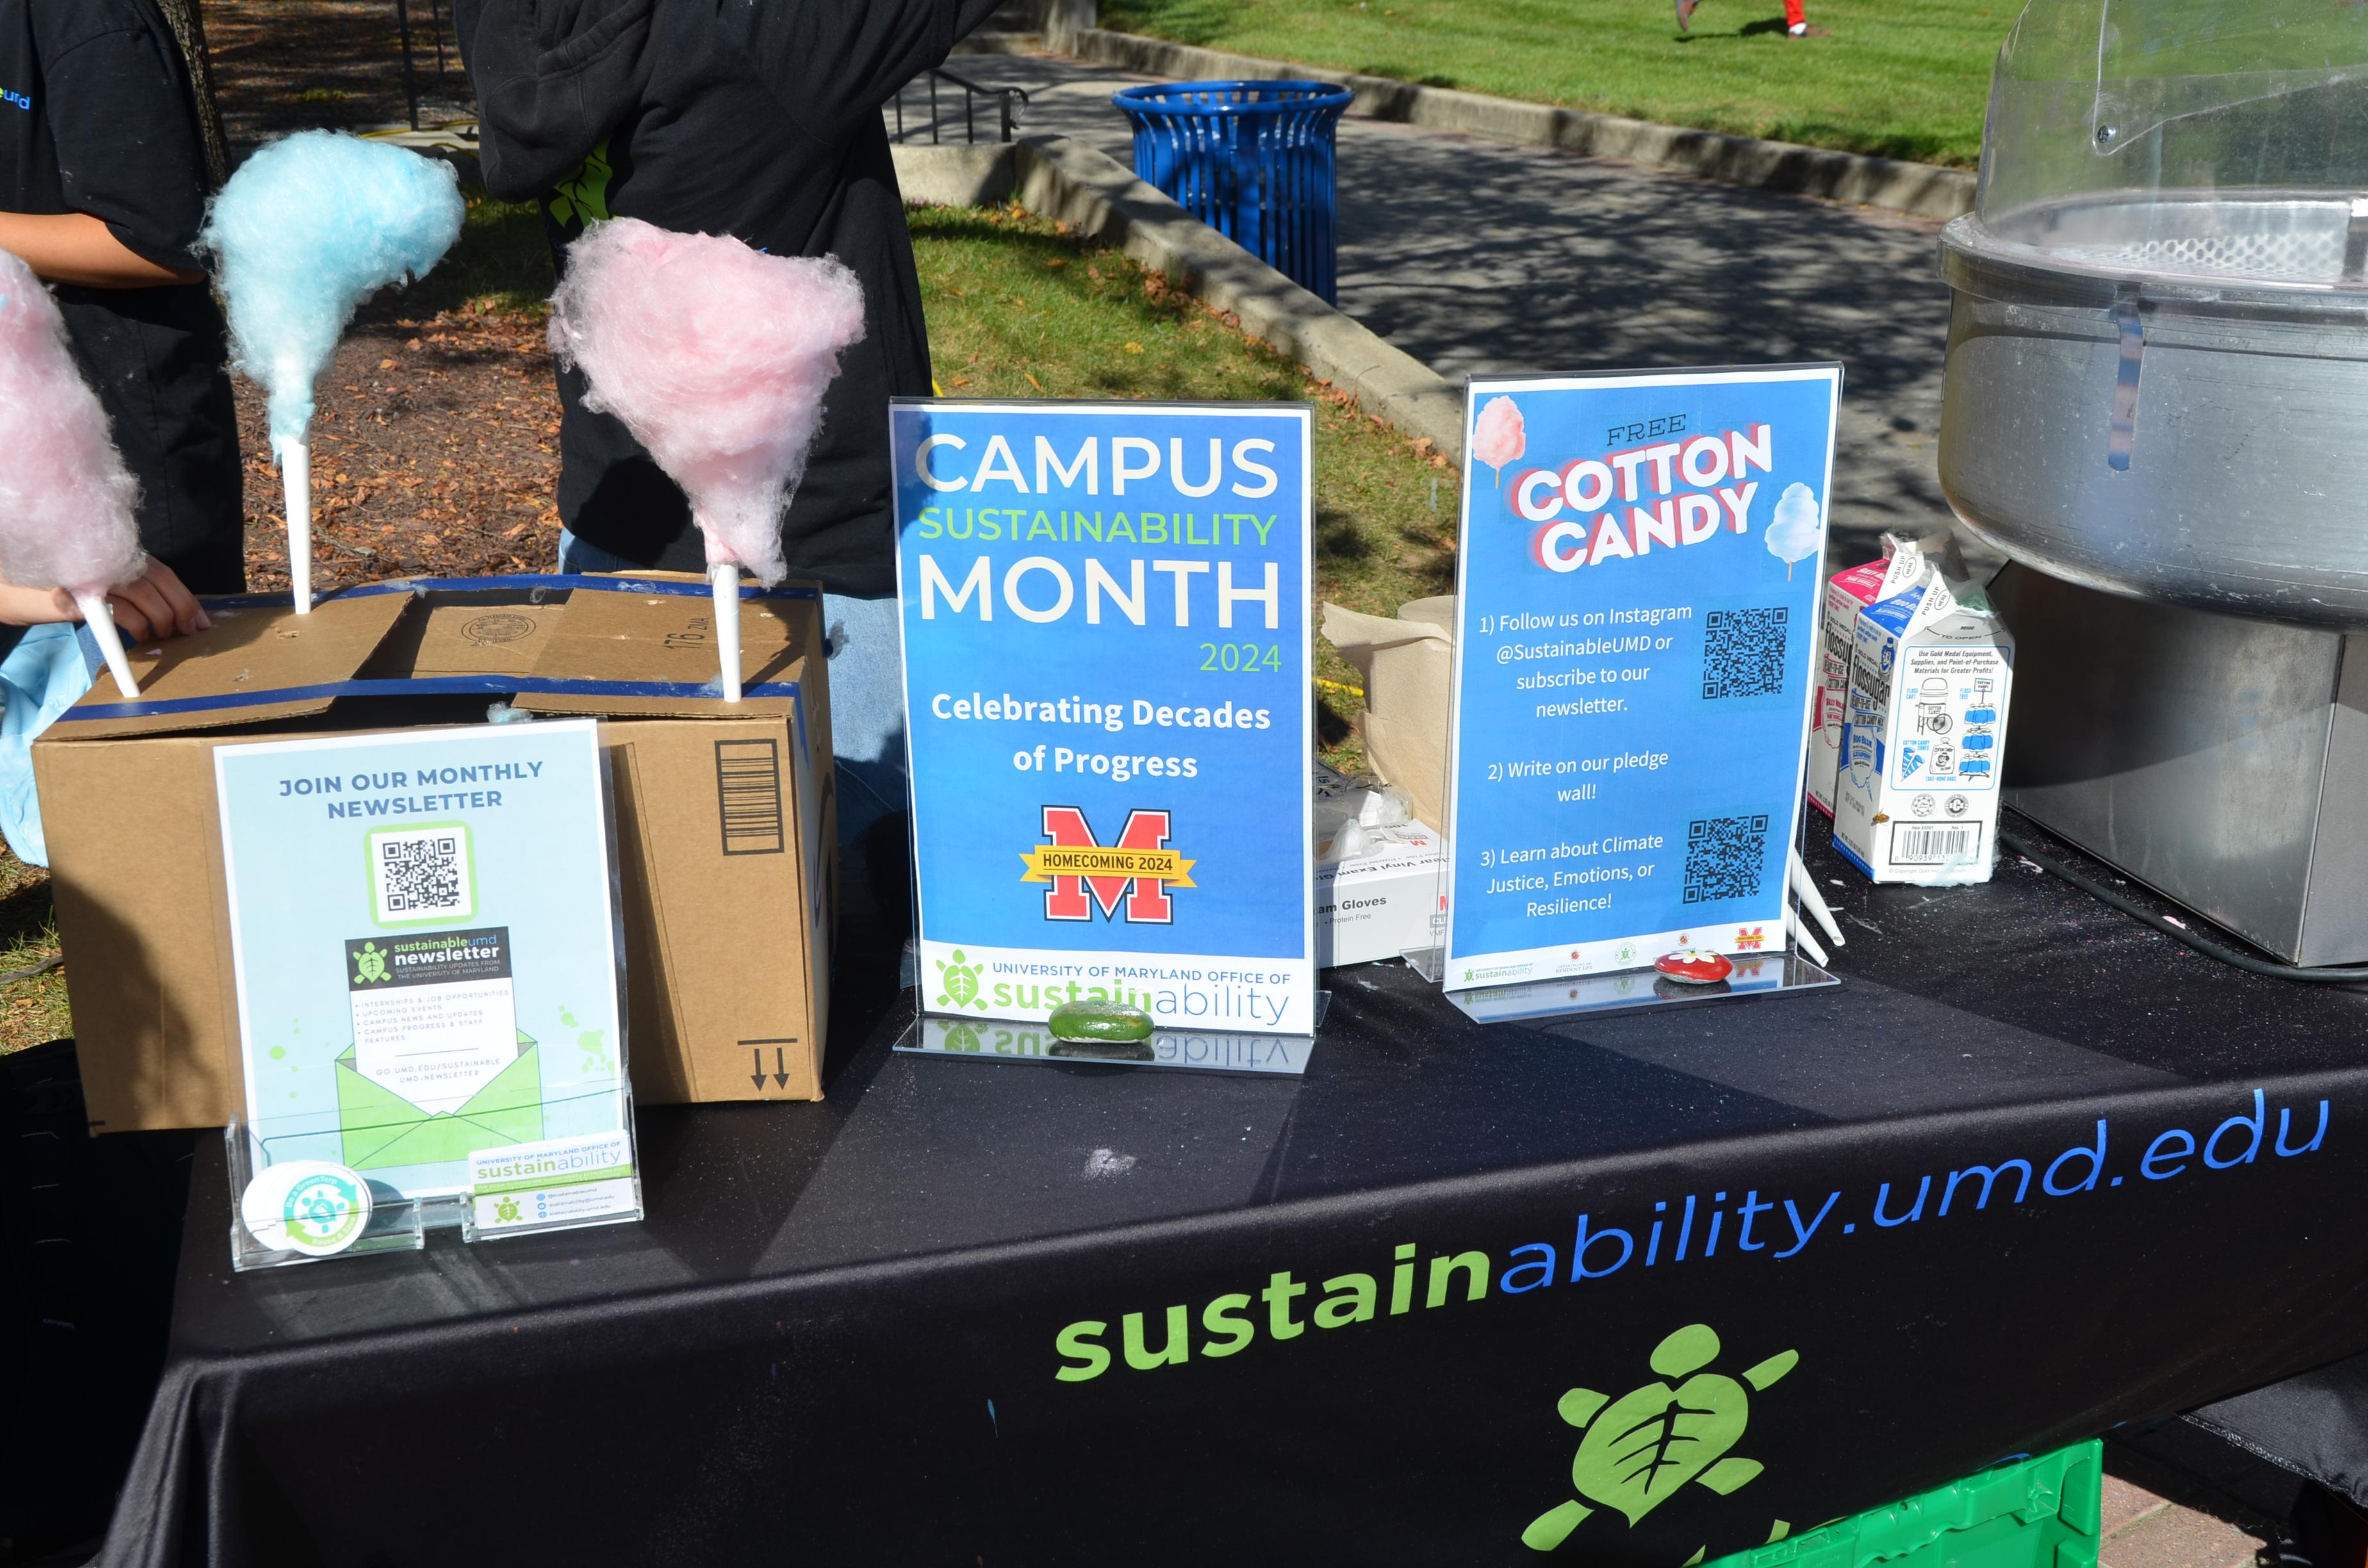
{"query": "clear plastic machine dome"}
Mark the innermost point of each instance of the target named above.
(2184, 139)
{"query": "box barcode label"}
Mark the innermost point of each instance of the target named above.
(1915, 844)
(748, 787)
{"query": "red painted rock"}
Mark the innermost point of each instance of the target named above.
(1694, 966)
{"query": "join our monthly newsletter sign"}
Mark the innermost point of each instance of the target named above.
(1640, 589)
(1108, 691)
(424, 934)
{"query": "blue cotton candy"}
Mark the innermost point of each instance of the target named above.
(306, 230)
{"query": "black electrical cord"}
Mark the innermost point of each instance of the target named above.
(2176, 933)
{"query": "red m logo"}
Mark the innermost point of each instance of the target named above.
(1147, 900)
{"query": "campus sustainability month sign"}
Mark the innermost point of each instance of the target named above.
(1641, 575)
(1109, 697)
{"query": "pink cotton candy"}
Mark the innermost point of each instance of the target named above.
(1498, 436)
(65, 496)
(716, 356)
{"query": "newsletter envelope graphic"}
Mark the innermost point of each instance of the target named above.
(382, 1129)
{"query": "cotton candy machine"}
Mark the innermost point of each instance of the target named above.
(2157, 392)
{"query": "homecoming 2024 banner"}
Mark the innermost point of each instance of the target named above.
(1641, 578)
(1108, 696)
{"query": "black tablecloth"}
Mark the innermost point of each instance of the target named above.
(841, 1335)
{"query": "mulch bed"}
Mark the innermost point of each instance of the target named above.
(436, 447)
(281, 65)
(434, 451)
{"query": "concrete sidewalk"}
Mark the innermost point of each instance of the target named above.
(1478, 256)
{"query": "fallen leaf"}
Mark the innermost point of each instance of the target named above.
(1033, 381)
(1134, 348)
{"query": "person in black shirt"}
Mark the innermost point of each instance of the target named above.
(761, 121)
(103, 189)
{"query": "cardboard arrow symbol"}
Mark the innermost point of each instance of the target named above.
(756, 1056)
(781, 1074)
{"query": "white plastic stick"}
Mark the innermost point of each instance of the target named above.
(726, 578)
(1802, 939)
(1807, 886)
(296, 478)
(101, 621)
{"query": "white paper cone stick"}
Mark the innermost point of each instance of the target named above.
(101, 621)
(1802, 939)
(296, 478)
(1807, 886)
(726, 579)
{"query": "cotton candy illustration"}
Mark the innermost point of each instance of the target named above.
(65, 496)
(1498, 436)
(716, 356)
(304, 232)
(1797, 533)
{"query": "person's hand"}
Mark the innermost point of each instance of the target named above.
(153, 604)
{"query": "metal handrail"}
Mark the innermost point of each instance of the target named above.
(1008, 112)
(403, 29)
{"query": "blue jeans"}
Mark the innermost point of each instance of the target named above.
(867, 697)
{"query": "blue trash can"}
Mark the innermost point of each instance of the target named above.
(1253, 160)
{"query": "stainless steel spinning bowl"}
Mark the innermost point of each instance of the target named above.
(2168, 398)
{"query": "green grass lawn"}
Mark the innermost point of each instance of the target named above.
(33, 1007)
(1903, 80)
(1017, 308)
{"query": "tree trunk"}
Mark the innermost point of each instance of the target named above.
(190, 31)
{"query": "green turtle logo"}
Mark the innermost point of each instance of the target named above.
(958, 983)
(506, 1210)
(962, 1037)
(370, 964)
(1642, 1446)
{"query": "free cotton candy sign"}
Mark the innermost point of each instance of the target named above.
(1641, 589)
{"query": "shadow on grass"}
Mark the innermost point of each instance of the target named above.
(27, 913)
(1191, 21)
(502, 255)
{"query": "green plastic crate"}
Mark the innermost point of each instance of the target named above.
(2037, 1513)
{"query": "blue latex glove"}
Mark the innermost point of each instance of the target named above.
(48, 670)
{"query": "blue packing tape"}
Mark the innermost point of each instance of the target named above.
(445, 686)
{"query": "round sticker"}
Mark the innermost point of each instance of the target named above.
(314, 1207)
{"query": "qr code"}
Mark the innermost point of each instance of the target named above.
(1743, 651)
(422, 874)
(1726, 857)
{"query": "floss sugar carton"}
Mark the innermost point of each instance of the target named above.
(1916, 796)
(1849, 592)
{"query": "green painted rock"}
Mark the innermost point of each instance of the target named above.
(1098, 1020)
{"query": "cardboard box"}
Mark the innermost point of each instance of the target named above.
(1917, 799)
(1849, 592)
(725, 844)
(1407, 663)
(1384, 903)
